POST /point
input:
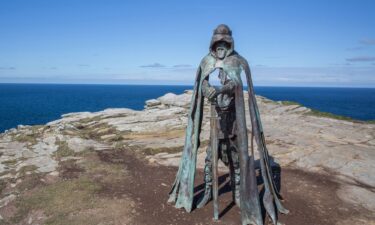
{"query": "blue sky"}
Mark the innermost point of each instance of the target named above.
(287, 43)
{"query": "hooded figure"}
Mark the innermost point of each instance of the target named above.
(229, 97)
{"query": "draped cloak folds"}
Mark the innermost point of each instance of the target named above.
(182, 192)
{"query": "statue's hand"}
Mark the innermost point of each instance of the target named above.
(211, 93)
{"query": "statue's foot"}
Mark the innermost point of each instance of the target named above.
(206, 198)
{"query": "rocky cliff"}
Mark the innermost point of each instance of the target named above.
(85, 167)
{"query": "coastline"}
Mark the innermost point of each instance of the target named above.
(312, 112)
(38, 104)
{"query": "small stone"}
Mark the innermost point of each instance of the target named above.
(54, 173)
(107, 136)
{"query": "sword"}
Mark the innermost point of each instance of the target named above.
(214, 150)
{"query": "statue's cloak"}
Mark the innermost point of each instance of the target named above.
(182, 193)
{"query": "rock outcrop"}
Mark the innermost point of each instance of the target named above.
(296, 138)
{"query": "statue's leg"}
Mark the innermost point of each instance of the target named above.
(235, 172)
(207, 179)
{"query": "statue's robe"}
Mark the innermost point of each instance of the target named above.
(182, 192)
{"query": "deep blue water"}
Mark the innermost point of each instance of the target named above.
(357, 103)
(31, 104)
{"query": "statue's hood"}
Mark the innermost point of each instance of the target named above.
(222, 33)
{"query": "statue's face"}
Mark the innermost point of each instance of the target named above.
(221, 50)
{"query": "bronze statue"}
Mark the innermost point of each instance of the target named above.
(228, 136)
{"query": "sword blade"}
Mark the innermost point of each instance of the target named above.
(215, 158)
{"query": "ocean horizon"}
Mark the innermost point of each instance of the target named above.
(34, 104)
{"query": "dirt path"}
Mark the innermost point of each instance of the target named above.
(117, 187)
(310, 198)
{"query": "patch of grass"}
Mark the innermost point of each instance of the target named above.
(69, 169)
(317, 113)
(154, 151)
(27, 138)
(3, 185)
(286, 103)
(10, 162)
(29, 182)
(32, 137)
(59, 200)
(95, 132)
(63, 150)
(89, 119)
(116, 138)
(26, 169)
(5, 172)
(36, 128)
(119, 146)
(266, 100)
(113, 167)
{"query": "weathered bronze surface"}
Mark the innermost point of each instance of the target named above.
(229, 137)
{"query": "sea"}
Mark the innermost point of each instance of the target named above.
(33, 104)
